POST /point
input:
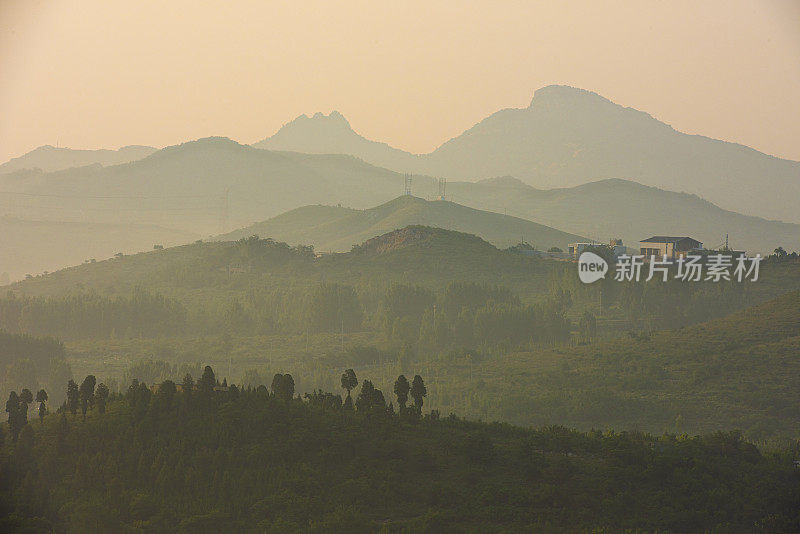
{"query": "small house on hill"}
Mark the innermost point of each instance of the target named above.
(671, 247)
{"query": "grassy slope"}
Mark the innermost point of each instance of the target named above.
(338, 229)
(741, 371)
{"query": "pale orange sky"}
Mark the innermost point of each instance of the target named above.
(104, 73)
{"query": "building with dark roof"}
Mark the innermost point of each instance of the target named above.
(669, 246)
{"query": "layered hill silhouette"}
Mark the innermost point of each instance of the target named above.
(197, 186)
(568, 137)
(628, 210)
(432, 254)
(49, 158)
(31, 247)
(337, 229)
(209, 186)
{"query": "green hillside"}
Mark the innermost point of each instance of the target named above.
(497, 329)
(337, 229)
(416, 253)
(740, 372)
(251, 460)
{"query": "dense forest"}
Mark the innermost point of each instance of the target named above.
(205, 456)
(32, 362)
(507, 335)
(417, 285)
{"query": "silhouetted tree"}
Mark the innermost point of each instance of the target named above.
(73, 397)
(418, 391)
(101, 396)
(167, 393)
(286, 388)
(378, 400)
(206, 385)
(365, 396)
(133, 392)
(370, 399)
(41, 398)
(13, 408)
(87, 393)
(25, 399)
(276, 383)
(349, 381)
(143, 395)
(207, 381)
(401, 389)
(187, 387)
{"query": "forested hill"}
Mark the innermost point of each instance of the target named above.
(337, 229)
(740, 371)
(430, 253)
(230, 459)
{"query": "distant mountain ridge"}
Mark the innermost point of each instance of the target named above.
(212, 185)
(338, 229)
(48, 158)
(332, 134)
(198, 186)
(567, 137)
(31, 247)
(629, 210)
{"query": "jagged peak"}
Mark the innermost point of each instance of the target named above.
(333, 118)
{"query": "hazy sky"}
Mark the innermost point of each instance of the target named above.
(103, 73)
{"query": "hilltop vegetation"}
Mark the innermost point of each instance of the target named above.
(254, 460)
(337, 229)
